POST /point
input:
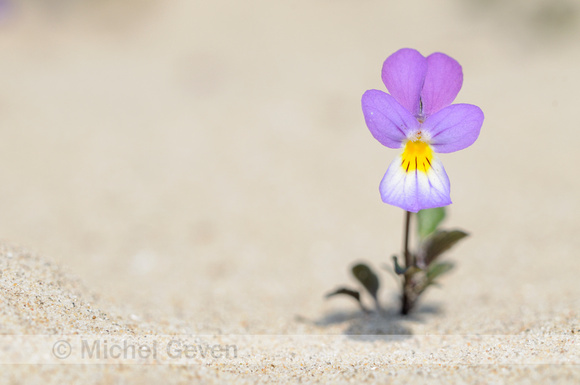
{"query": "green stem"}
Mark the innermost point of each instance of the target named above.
(407, 254)
(408, 299)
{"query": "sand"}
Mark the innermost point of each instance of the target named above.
(199, 176)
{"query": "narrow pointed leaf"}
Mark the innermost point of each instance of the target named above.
(343, 290)
(398, 269)
(368, 278)
(438, 269)
(348, 292)
(391, 272)
(439, 242)
(428, 220)
(435, 270)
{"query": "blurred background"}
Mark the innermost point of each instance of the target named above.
(197, 159)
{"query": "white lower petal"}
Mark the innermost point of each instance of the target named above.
(415, 190)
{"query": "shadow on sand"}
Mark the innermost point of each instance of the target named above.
(389, 325)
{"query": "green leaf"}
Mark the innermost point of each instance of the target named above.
(392, 272)
(440, 242)
(428, 220)
(435, 270)
(349, 292)
(438, 269)
(398, 269)
(367, 277)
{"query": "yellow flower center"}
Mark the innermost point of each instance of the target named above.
(417, 155)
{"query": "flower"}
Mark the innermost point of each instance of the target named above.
(417, 117)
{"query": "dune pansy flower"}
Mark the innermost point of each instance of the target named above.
(418, 117)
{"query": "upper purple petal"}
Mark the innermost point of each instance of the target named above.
(387, 120)
(403, 74)
(442, 83)
(453, 128)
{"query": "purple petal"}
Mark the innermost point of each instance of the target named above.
(387, 120)
(416, 190)
(442, 83)
(453, 128)
(403, 74)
